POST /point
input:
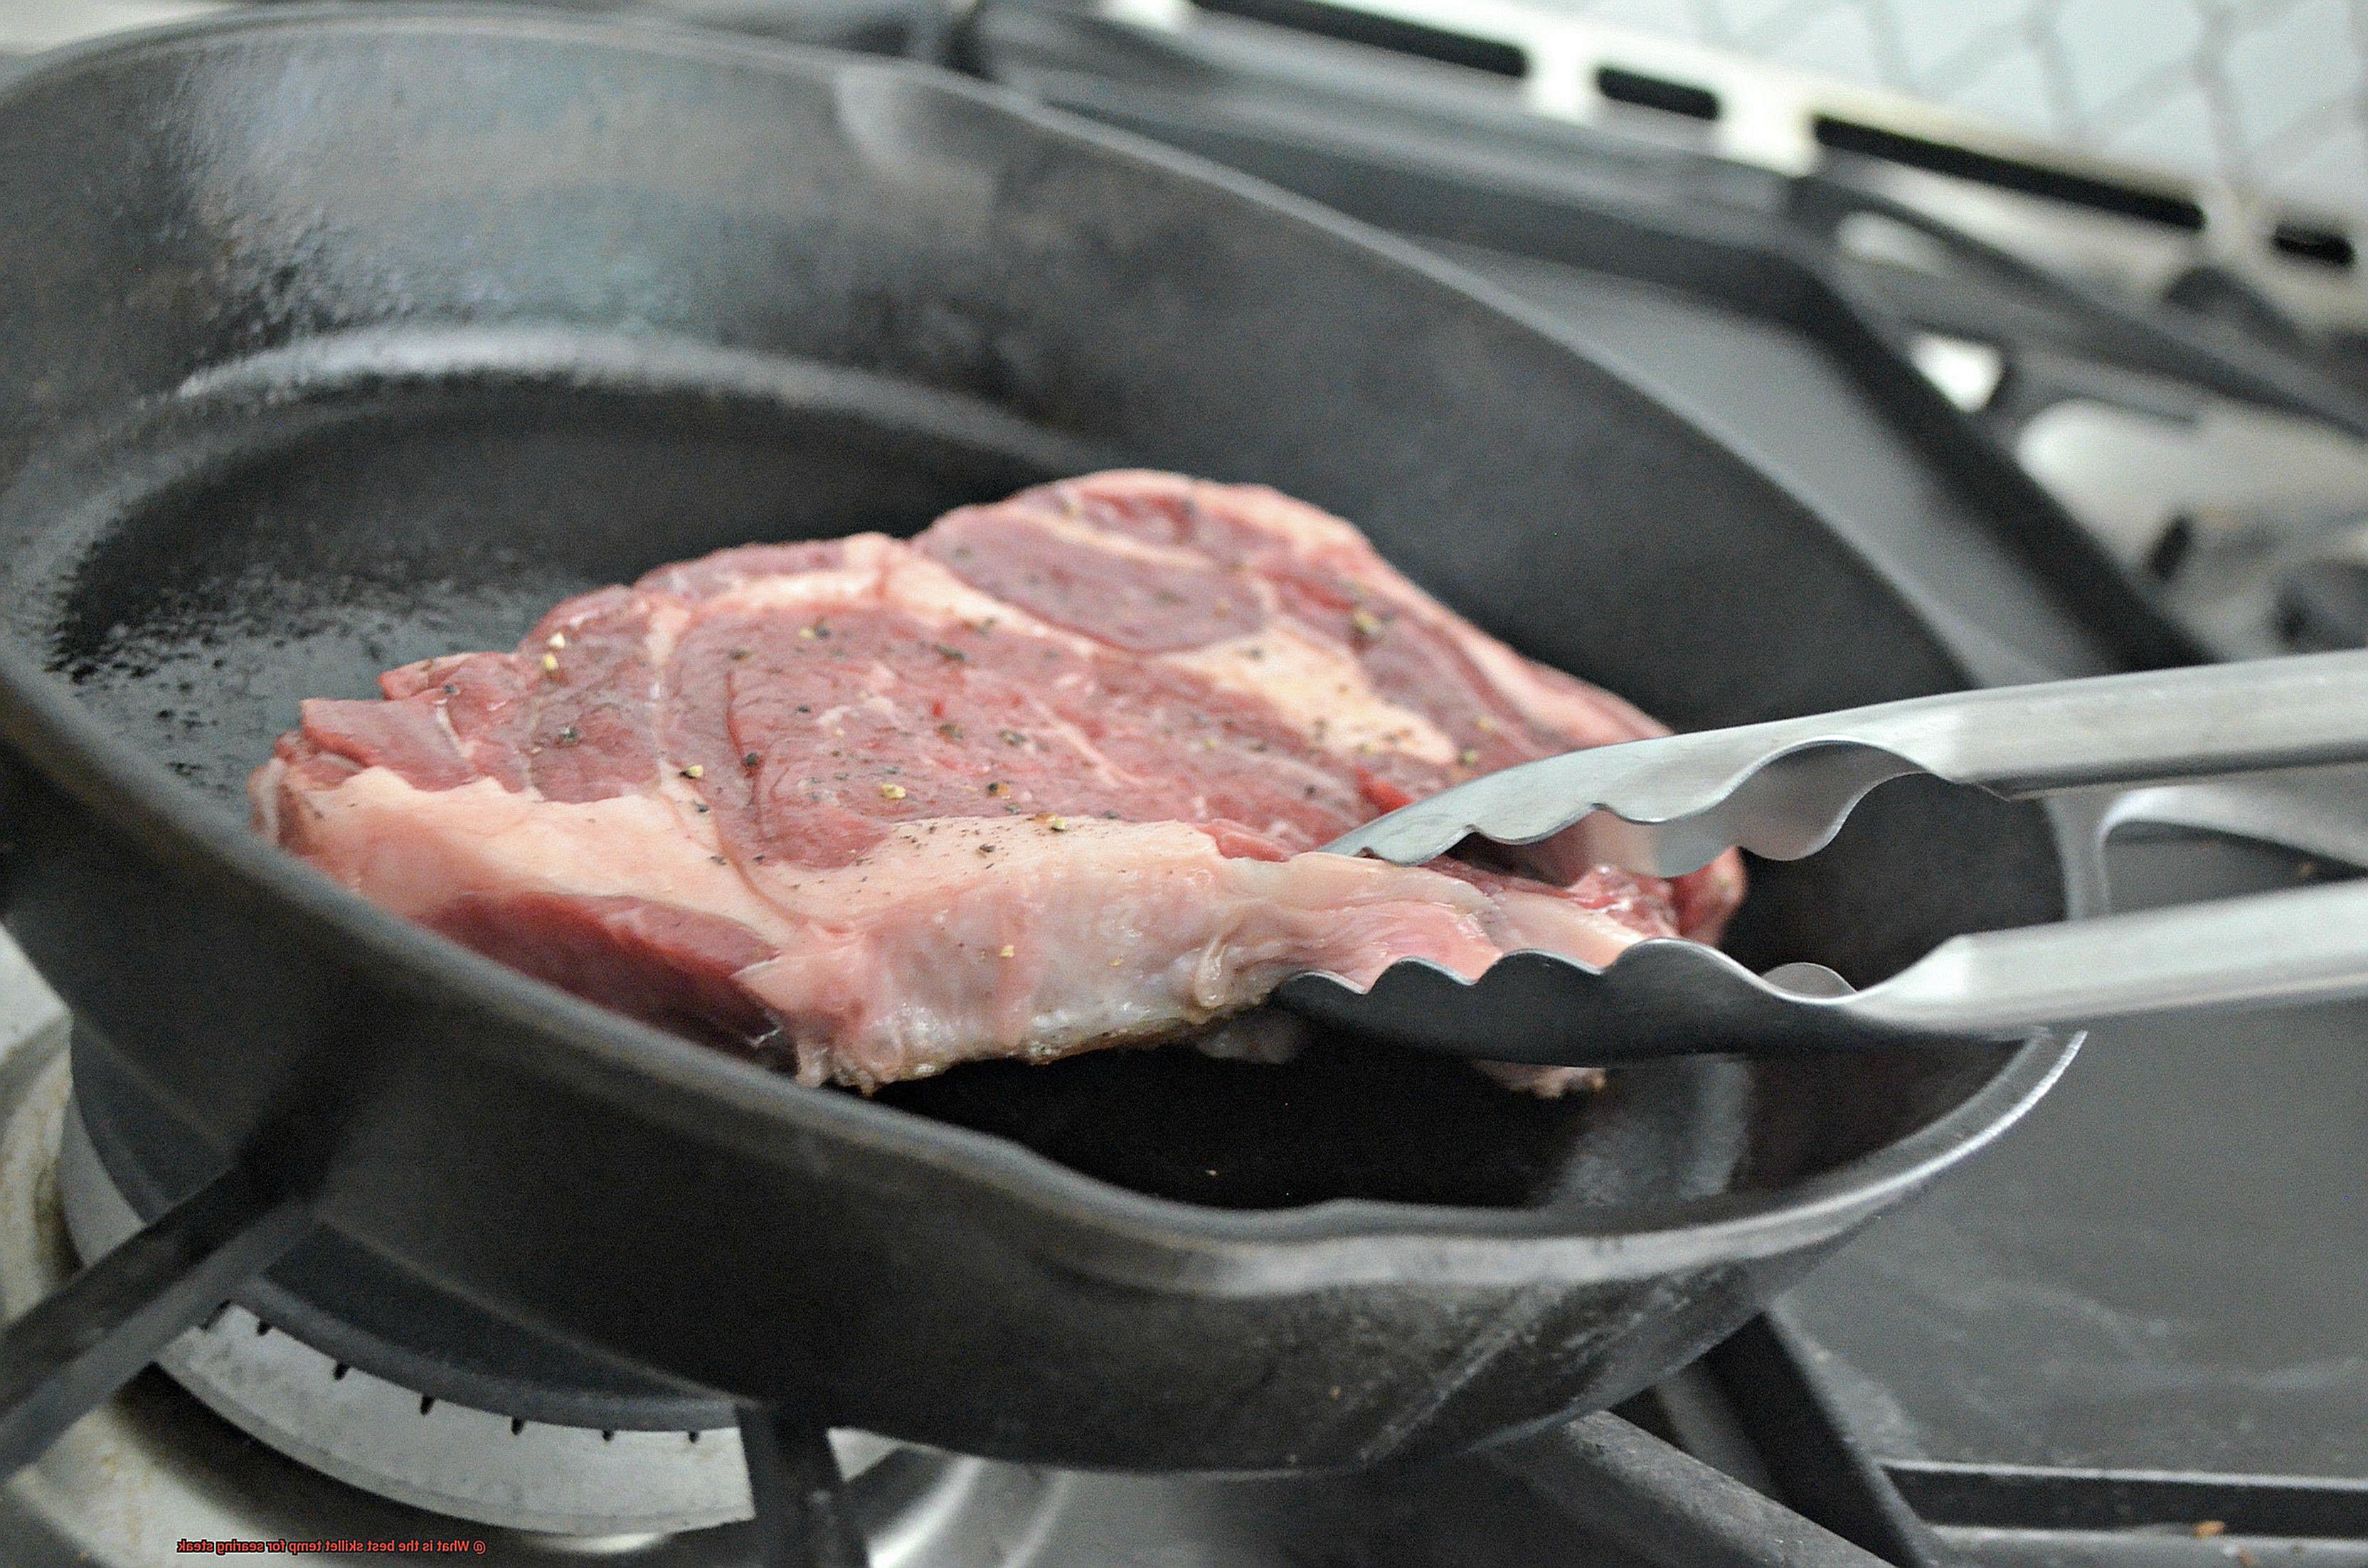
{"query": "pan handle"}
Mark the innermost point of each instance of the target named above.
(2297, 945)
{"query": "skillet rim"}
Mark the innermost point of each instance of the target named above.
(1100, 1228)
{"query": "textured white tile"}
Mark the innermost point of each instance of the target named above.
(2113, 46)
(1936, 35)
(2013, 92)
(1752, 21)
(2173, 128)
(2282, 104)
(1674, 17)
(1837, 41)
(2330, 171)
(2289, 70)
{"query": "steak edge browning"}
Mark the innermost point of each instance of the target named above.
(1046, 778)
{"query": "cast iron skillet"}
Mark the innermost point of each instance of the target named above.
(329, 341)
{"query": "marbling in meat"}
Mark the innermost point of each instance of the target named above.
(1044, 778)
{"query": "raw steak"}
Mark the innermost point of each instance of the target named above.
(1041, 779)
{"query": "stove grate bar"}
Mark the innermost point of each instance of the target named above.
(1817, 1466)
(72, 1350)
(1666, 1506)
(798, 1489)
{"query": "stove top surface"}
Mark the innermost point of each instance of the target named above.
(2166, 1269)
(2149, 1306)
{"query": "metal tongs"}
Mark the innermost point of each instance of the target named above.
(1783, 790)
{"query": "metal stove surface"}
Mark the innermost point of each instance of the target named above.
(2148, 1309)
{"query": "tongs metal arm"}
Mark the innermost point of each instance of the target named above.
(2272, 949)
(1783, 789)
(1669, 997)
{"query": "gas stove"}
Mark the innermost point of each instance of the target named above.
(2084, 438)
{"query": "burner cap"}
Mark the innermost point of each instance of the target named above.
(623, 1498)
(488, 1465)
(361, 1309)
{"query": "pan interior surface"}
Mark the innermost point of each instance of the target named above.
(297, 541)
